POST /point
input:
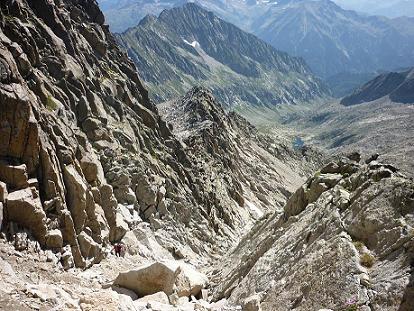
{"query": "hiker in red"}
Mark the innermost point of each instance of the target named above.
(118, 249)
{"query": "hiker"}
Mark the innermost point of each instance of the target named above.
(118, 249)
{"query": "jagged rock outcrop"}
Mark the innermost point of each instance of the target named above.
(346, 234)
(86, 160)
(247, 171)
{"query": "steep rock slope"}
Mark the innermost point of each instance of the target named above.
(345, 241)
(398, 86)
(188, 46)
(226, 149)
(85, 156)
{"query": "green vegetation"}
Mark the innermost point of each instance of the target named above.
(8, 18)
(51, 103)
(110, 73)
(367, 260)
(358, 245)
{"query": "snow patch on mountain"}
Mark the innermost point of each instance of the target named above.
(194, 44)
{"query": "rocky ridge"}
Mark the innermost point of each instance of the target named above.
(87, 161)
(398, 86)
(231, 151)
(345, 240)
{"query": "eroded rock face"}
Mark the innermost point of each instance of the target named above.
(345, 235)
(245, 174)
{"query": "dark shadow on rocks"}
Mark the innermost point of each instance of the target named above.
(407, 303)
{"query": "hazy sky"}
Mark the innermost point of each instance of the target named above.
(390, 8)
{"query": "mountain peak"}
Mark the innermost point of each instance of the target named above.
(148, 20)
(197, 47)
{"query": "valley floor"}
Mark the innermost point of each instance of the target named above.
(381, 126)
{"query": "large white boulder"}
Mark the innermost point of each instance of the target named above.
(189, 281)
(169, 277)
(149, 279)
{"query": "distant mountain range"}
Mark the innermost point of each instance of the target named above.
(390, 8)
(190, 46)
(331, 40)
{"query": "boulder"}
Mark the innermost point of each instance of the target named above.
(118, 230)
(160, 297)
(169, 277)
(330, 179)
(149, 279)
(54, 239)
(89, 248)
(91, 169)
(66, 259)
(315, 190)
(145, 192)
(14, 176)
(354, 156)
(52, 294)
(21, 242)
(108, 203)
(124, 194)
(331, 168)
(381, 173)
(371, 158)
(125, 292)
(33, 182)
(189, 281)
(131, 243)
(26, 209)
(296, 203)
